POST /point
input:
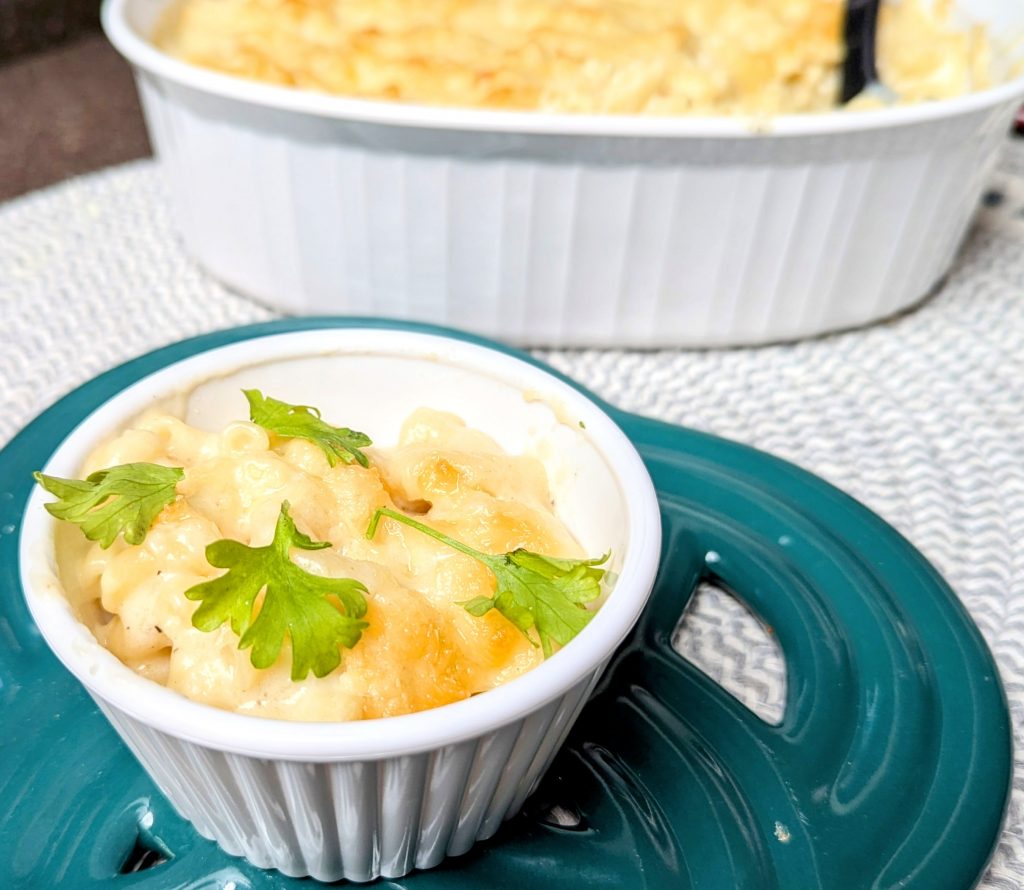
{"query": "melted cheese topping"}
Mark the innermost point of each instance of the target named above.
(662, 57)
(421, 649)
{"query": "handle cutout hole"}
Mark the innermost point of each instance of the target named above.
(564, 817)
(553, 806)
(142, 857)
(721, 637)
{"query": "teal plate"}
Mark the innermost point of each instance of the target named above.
(890, 768)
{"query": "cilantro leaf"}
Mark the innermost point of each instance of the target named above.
(539, 593)
(303, 422)
(297, 603)
(122, 500)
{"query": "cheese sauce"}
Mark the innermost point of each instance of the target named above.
(421, 649)
(658, 57)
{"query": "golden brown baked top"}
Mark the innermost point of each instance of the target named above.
(422, 648)
(659, 57)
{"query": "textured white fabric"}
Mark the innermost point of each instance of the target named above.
(922, 418)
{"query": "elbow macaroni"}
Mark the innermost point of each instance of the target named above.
(421, 649)
(659, 57)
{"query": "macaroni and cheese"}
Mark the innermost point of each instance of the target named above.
(659, 57)
(422, 648)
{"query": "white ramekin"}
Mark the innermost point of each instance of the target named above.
(378, 797)
(567, 229)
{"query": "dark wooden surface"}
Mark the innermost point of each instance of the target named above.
(28, 26)
(66, 111)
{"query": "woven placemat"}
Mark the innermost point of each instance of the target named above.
(922, 418)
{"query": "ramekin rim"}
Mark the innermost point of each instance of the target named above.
(174, 714)
(143, 54)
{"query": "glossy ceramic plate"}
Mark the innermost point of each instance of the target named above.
(890, 767)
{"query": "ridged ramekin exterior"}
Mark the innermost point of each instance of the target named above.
(571, 240)
(357, 820)
(378, 797)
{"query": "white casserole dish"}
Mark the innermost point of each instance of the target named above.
(376, 797)
(553, 229)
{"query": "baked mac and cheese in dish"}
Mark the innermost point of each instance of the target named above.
(387, 549)
(658, 57)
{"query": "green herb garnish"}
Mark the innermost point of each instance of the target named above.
(122, 500)
(535, 592)
(297, 603)
(303, 422)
